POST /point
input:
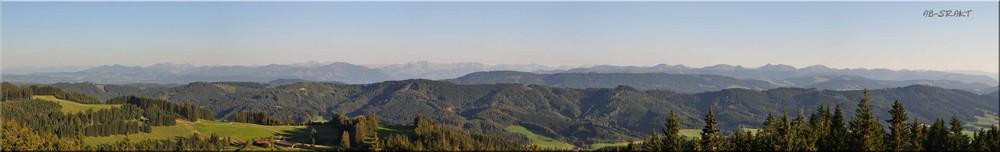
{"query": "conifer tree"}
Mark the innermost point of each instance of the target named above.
(958, 141)
(838, 132)
(768, 136)
(376, 146)
(345, 140)
(740, 141)
(783, 136)
(819, 126)
(360, 133)
(986, 140)
(653, 143)
(977, 141)
(917, 135)
(937, 137)
(710, 138)
(373, 120)
(312, 137)
(800, 135)
(898, 132)
(694, 145)
(671, 134)
(866, 132)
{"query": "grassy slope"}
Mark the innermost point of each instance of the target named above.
(602, 145)
(74, 107)
(984, 121)
(159, 132)
(241, 131)
(690, 133)
(541, 141)
(236, 131)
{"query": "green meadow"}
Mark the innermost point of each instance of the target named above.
(74, 107)
(542, 141)
(205, 128)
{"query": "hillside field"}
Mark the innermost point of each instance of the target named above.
(205, 128)
(542, 141)
(73, 107)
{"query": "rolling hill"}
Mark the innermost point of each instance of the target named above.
(577, 116)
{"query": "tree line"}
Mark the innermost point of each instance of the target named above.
(261, 118)
(826, 130)
(45, 116)
(183, 110)
(41, 125)
(12, 92)
(360, 133)
(179, 143)
(432, 136)
(21, 138)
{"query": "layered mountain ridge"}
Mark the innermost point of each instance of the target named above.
(678, 78)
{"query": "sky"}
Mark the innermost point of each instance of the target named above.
(892, 35)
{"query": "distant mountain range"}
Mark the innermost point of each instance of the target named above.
(780, 72)
(579, 116)
(858, 83)
(669, 77)
(685, 83)
(694, 83)
(331, 72)
(435, 71)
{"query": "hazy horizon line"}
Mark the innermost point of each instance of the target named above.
(546, 66)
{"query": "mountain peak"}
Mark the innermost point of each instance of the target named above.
(723, 67)
(778, 67)
(818, 68)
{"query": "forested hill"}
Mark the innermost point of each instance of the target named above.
(574, 115)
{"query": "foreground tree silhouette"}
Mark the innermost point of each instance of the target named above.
(710, 138)
(866, 132)
(800, 135)
(819, 126)
(986, 140)
(937, 136)
(958, 141)
(671, 134)
(897, 128)
(838, 132)
(768, 137)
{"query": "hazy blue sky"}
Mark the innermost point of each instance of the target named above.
(891, 35)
